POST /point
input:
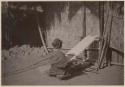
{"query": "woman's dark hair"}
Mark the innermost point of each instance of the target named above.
(57, 43)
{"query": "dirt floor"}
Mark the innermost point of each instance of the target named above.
(109, 76)
(21, 66)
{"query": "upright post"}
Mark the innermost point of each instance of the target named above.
(84, 20)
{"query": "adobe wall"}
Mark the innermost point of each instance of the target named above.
(71, 31)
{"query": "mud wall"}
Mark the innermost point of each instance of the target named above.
(71, 31)
(117, 39)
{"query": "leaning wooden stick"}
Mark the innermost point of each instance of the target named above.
(44, 45)
(41, 35)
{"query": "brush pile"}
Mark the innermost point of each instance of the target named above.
(20, 57)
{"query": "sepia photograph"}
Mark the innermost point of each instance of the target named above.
(51, 43)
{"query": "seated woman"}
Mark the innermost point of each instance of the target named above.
(58, 60)
(61, 66)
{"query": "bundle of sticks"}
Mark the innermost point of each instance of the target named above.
(105, 41)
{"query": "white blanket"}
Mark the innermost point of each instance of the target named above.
(82, 45)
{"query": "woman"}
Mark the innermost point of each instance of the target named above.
(61, 65)
(58, 60)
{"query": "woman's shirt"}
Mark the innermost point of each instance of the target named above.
(58, 61)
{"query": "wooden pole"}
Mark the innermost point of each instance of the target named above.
(84, 21)
(41, 35)
(99, 36)
(101, 17)
(101, 27)
(44, 45)
(116, 63)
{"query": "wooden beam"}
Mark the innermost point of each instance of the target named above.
(115, 63)
(117, 51)
(87, 49)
